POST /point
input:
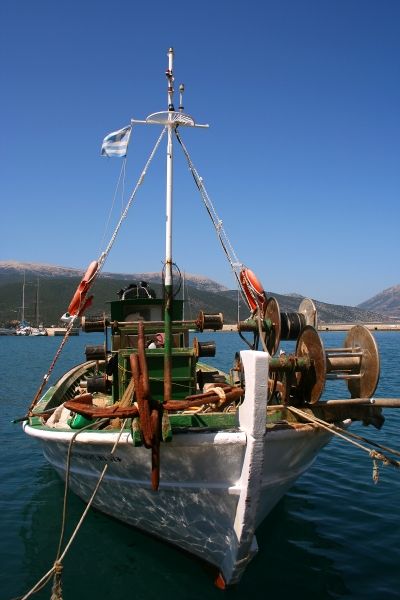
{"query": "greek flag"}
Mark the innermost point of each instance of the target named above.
(116, 143)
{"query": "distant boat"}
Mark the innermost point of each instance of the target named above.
(196, 456)
(23, 328)
(6, 331)
(38, 330)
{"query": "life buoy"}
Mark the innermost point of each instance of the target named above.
(79, 302)
(253, 289)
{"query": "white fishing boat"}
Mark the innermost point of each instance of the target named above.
(176, 447)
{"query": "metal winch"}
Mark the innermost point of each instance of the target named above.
(277, 326)
(300, 378)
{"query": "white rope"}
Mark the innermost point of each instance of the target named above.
(338, 431)
(121, 174)
(92, 496)
(101, 262)
(59, 559)
(219, 391)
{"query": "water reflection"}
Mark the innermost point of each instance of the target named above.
(110, 559)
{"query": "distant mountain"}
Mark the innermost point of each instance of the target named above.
(386, 302)
(13, 270)
(327, 313)
(57, 285)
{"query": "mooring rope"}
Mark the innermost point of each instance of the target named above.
(347, 436)
(56, 569)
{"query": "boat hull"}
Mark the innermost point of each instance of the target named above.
(203, 477)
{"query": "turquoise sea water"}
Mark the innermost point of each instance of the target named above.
(335, 535)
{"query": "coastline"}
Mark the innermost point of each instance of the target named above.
(340, 326)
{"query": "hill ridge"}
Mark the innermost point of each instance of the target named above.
(57, 285)
(11, 267)
(387, 302)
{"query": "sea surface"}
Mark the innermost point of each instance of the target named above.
(334, 535)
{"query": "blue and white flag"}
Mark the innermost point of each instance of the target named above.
(116, 143)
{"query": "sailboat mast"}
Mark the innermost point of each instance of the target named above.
(37, 302)
(23, 301)
(168, 238)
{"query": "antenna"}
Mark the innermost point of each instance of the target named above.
(181, 90)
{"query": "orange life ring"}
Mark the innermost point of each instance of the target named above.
(79, 302)
(253, 289)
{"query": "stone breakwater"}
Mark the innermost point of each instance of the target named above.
(341, 326)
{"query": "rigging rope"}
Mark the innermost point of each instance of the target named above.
(104, 254)
(217, 222)
(121, 174)
(101, 261)
(50, 369)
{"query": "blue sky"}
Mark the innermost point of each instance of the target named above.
(301, 159)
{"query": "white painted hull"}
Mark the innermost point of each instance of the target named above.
(200, 481)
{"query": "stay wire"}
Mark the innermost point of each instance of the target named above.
(221, 234)
(101, 261)
(104, 254)
(122, 174)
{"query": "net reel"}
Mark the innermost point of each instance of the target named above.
(278, 326)
(92, 324)
(300, 378)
